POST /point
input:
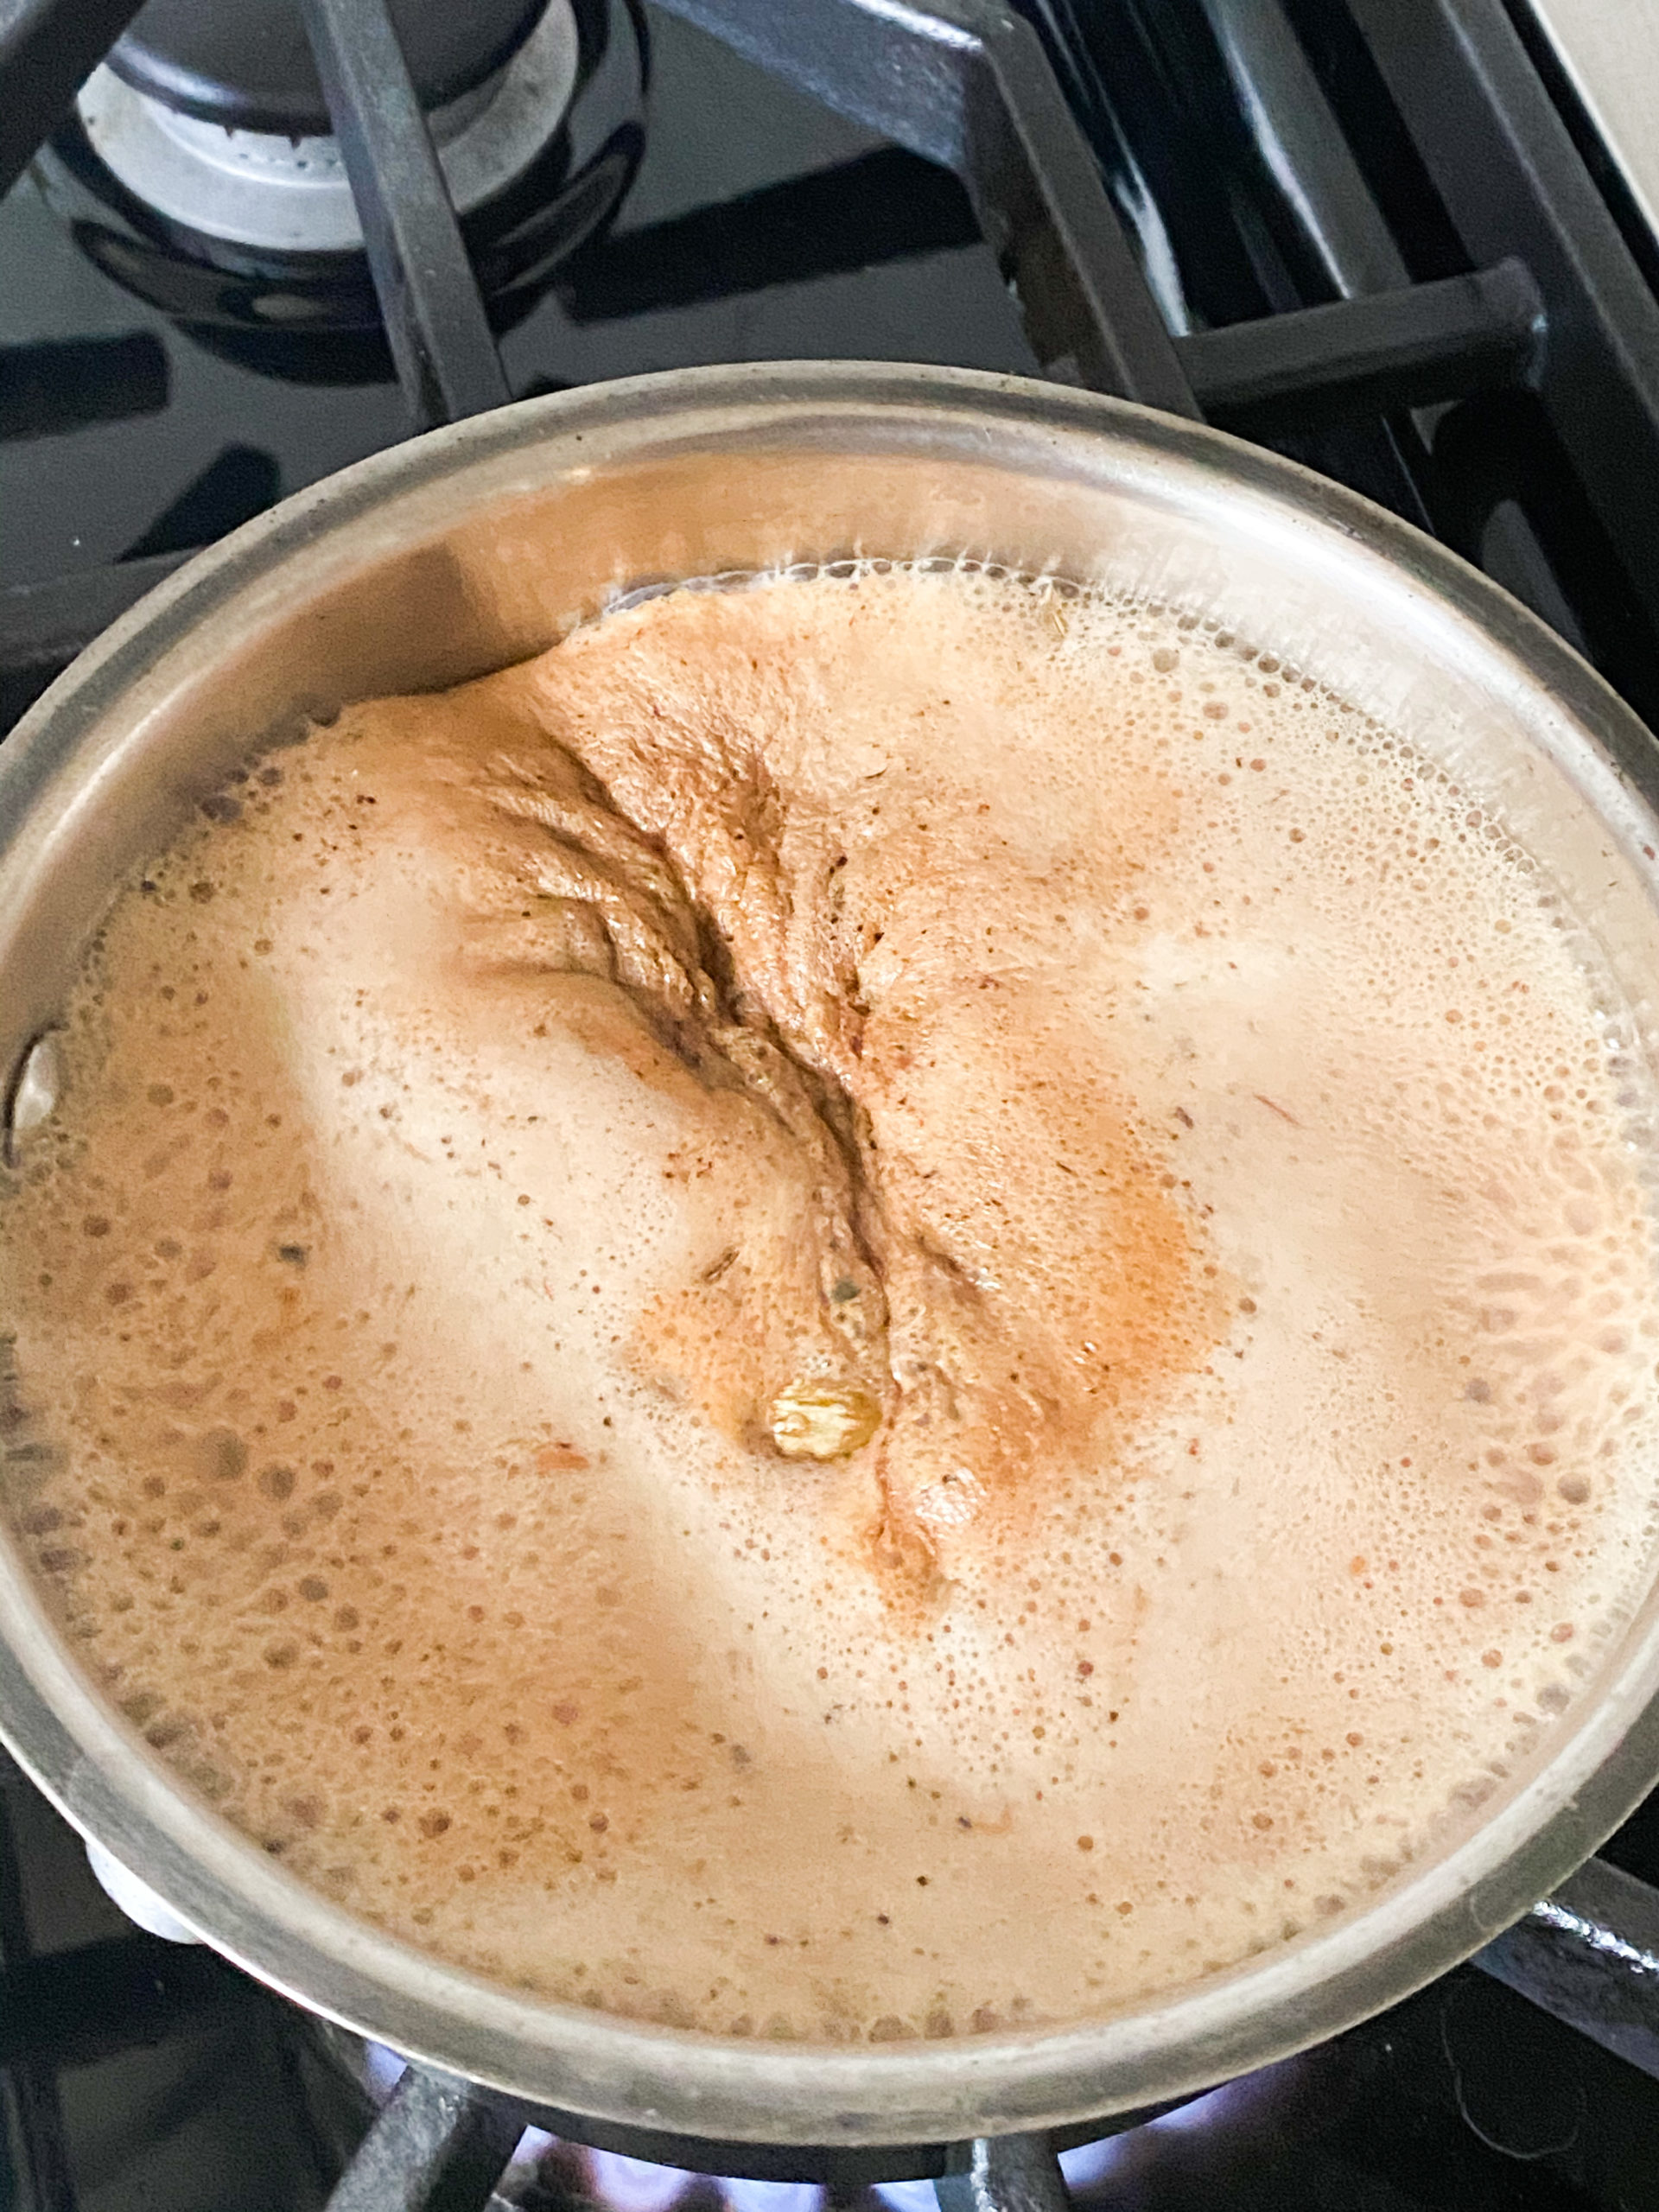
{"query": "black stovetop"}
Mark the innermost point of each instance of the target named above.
(1269, 158)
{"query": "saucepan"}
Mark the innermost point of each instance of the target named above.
(485, 542)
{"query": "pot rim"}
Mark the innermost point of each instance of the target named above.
(596, 2066)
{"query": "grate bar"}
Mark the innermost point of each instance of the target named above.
(436, 327)
(1375, 355)
(48, 50)
(1589, 1955)
(1003, 2173)
(439, 2145)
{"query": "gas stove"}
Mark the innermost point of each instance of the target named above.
(1407, 242)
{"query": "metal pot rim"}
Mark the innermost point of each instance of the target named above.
(626, 2074)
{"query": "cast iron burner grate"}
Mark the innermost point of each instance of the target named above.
(1357, 230)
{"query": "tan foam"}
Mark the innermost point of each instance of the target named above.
(1201, 1137)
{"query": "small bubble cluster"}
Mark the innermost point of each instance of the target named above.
(1197, 1143)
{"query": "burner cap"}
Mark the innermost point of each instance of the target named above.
(246, 63)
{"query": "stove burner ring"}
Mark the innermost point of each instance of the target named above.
(265, 191)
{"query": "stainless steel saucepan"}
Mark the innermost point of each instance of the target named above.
(482, 543)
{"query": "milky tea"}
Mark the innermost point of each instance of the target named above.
(871, 1307)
